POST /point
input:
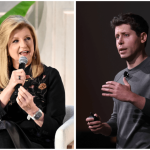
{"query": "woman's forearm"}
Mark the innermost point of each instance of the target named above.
(32, 112)
(40, 120)
(5, 96)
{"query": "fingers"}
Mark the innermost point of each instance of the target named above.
(93, 123)
(20, 76)
(24, 99)
(18, 101)
(89, 119)
(97, 116)
(107, 90)
(22, 93)
(19, 72)
(14, 80)
(110, 86)
(95, 126)
(108, 94)
(125, 82)
(21, 98)
(111, 82)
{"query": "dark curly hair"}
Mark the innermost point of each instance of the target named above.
(137, 23)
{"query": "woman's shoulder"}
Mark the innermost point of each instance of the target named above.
(51, 74)
(50, 70)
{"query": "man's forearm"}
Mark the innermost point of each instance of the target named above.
(106, 129)
(137, 100)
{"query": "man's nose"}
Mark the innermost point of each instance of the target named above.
(120, 41)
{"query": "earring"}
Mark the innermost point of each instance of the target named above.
(35, 57)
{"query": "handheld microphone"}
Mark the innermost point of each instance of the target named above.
(22, 63)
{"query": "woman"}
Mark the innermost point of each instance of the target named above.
(31, 118)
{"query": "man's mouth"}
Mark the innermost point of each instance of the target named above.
(122, 49)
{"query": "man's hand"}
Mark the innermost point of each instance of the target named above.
(94, 126)
(98, 127)
(117, 90)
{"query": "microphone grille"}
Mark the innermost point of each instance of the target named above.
(23, 59)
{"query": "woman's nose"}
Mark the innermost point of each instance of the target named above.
(23, 43)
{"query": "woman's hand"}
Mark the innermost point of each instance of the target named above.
(17, 77)
(25, 101)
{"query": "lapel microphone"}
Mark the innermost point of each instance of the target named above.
(126, 74)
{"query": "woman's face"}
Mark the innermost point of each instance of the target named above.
(21, 44)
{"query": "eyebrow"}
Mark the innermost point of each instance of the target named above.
(24, 36)
(122, 33)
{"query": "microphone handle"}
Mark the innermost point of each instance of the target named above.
(21, 66)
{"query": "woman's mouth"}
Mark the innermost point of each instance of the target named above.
(24, 53)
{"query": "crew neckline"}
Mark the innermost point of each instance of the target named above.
(135, 69)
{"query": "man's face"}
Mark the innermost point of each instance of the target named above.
(127, 42)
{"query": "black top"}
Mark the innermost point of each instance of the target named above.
(49, 96)
(130, 124)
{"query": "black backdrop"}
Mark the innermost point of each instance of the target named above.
(98, 61)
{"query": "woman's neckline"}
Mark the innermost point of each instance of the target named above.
(26, 68)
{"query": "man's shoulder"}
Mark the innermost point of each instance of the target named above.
(119, 74)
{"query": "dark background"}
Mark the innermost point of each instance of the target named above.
(98, 61)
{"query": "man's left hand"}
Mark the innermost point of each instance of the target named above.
(117, 90)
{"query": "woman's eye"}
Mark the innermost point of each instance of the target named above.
(15, 41)
(28, 38)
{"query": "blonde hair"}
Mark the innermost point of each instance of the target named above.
(6, 28)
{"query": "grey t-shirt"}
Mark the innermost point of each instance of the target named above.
(130, 124)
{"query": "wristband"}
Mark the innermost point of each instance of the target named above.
(36, 116)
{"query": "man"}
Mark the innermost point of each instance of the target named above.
(130, 120)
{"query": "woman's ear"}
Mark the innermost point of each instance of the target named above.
(143, 37)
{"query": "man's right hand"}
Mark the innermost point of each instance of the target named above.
(94, 126)
(98, 127)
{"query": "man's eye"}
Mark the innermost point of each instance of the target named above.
(127, 35)
(117, 37)
(15, 41)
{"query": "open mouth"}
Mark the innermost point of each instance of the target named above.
(24, 52)
(123, 49)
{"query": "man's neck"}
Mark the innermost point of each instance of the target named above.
(136, 60)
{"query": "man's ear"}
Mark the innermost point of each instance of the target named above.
(143, 37)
